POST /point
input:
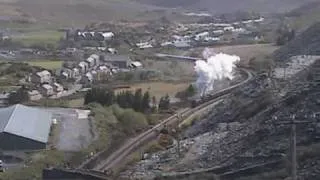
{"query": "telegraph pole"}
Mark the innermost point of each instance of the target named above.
(178, 134)
(293, 140)
(293, 147)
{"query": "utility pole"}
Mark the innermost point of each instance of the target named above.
(293, 147)
(293, 140)
(178, 134)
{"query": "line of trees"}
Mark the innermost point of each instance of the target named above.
(139, 101)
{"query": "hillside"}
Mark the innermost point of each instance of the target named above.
(66, 12)
(224, 6)
(308, 42)
(304, 16)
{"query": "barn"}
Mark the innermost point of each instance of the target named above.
(24, 128)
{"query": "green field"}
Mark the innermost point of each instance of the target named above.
(36, 37)
(46, 64)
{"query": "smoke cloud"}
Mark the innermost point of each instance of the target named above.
(215, 67)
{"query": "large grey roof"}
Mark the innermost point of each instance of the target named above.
(29, 122)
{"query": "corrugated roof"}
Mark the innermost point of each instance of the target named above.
(24, 121)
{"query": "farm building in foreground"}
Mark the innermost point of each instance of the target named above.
(24, 128)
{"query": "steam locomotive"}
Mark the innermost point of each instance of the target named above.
(211, 95)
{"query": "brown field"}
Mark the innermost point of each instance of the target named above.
(158, 89)
(245, 52)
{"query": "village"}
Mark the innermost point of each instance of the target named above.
(97, 60)
(101, 84)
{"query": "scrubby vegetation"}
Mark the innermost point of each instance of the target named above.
(307, 43)
(34, 166)
(113, 124)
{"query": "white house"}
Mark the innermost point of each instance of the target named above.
(144, 45)
(218, 32)
(90, 60)
(201, 36)
(83, 66)
(108, 35)
(46, 90)
(57, 87)
(136, 64)
(229, 28)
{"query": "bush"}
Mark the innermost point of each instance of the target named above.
(132, 121)
(154, 147)
(35, 166)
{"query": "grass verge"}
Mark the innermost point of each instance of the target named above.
(46, 64)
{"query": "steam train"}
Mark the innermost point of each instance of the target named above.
(212, 95)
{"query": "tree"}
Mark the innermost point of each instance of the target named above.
(146, 101)
(191, 91)
(132, 121)
(20, 96)
(137, 103)
(164, 103)
(100, 95)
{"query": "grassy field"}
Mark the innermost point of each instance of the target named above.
(159, 89)
(36, 37)
(76, 103)
(46, 64)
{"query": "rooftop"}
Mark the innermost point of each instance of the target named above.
(24, 121)
(43, 73)
(47, 86)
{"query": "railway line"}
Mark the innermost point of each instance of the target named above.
(118, 156)
(128, 148)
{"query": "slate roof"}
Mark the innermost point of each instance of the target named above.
(24, 121)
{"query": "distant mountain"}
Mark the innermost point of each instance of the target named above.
(307, 43)
(226, 6)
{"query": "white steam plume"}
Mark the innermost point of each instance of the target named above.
(216, 67)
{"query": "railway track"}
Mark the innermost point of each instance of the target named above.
(118, 156)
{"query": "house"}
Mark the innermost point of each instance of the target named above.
(218, 32)
(96, 59)
(24, 128)
(108, 35)
(57, 87)
(144, 45)
(83, 67)
(46, 90)
(104, 69)
(201, 36)
(66, 73)
(87, 78)
(167, 43)
(75, 73)
(211, 39)
(136, 64)
(181, 44)
(120, 61)
(102, 48)
(4, 99)
(112, 50)
(41, 77)
(34, 95)
(228, 29)
(91, 62)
